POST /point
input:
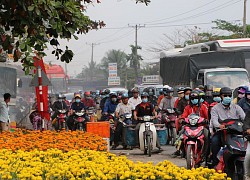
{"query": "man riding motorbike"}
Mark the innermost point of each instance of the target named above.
(180, 92)
(168, 101)
(75, 107)
(184, 101)
(121, 109)
(136, 99)
(222, 111)
(110, 105)
(240, 94)
(60, 104)
(208, 94)
(105, 96)
(162, 94)
(145, 108)
(244, 102)
(88, 100)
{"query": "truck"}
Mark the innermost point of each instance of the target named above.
(221, 63)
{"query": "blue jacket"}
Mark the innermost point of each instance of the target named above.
(244, 105)
(109, 106)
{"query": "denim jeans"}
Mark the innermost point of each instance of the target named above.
(215, 147)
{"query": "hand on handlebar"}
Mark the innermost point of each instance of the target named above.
(222, 127)
(248, 131)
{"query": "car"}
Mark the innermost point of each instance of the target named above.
(118, 90)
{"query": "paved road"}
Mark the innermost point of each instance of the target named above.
(137, 155)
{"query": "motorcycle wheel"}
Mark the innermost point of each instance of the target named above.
(149, 144)
(190, 157)
(240, 171)
(173, 136)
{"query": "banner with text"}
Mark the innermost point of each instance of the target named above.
(114, 81)
(112, 69)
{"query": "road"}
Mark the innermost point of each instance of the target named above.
(137, 155)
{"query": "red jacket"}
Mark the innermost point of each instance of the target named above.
(88, 102)
(176, 103)
(193, 109)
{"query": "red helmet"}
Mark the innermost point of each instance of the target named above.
(87, 93)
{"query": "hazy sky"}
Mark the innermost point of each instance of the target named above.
(159, 17)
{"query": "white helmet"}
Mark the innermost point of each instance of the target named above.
(166, 86)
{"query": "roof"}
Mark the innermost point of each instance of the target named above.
(55, 71)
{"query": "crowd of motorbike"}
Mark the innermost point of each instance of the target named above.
(136, 121)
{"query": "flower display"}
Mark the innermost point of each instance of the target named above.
(89, 164)
(65, 141)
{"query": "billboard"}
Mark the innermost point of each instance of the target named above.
(112, 69)
(114, 81)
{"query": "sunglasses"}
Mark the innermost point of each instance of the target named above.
(227, 95)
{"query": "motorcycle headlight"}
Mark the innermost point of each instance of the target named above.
(128, 116)
(193, 120)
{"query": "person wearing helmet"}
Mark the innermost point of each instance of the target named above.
(119, 99)
(105, 96)
(162, 95)
(60, 104)
(184, 101)
(201, 87)
(152, 98)
(244, 102)
(77, 105)
(180, 92)
(202, 98)
(208, 93)
(168, 101)
(145, 108)
(121, 109)
(135, 100)
(220, 112)
(88, 100)
(240, 94)
(110, 105)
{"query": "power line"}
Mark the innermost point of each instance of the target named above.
(171, 17)
(222, 6)
(118, 38)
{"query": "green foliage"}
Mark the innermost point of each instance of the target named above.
(28, 26)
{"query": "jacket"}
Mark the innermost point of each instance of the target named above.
(109, 106)
(244, 104)
(194, 109)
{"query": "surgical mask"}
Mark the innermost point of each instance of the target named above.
(201, 100)
(217, 99)
(187, 97)
(181, 95)
(194, 101)
(171, 94)
(226, 100)
(113, 99)
(241, 95)
(78, 100)
(144, 100)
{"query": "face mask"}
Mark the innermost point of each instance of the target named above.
(113, 99)
(144, 100)
(241, 95)
(201, 100)
(194, 101)
(217, 99)
(226, 100)
(171, 94)
(181, 95)
(187, 97)
(78, 100)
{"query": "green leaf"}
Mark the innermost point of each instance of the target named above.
(22, 46)
(38, 12)
(29, 49)
(31, 8)
(76, 38)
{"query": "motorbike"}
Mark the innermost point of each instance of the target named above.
(232, 155)
(147, 135)
(80, 120)
(193, 139)
(61, 119)
(36, 120)
(169, 117)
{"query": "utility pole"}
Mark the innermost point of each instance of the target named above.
(136, 56)
(245, 18)
(92, 57)
(66, 78)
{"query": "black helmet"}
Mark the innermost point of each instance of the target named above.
(106, 91)
(208, 88)
(187, 89)
(112, 94)
(124, 95)
(180, 90)
(225, 90)
(215, 93)
(144, 94)
(169, 90)
(194, 94)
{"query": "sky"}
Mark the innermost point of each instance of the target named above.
(158, 18)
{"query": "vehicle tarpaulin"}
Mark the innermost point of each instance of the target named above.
(183, 68)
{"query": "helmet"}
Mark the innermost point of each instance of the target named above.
(216, 93)
(106, 91)
(208, 88)
(124, 95)
(187, 89)
(166, 86)
(87, 93)
(77, 95)
(242, 89)
(61, 96)
(144, 94)
(225, 90)
(169, 90)
(112, 94)
(119, 97)
(180, 90)
(201, 87)
(194, 94)
(135, 90)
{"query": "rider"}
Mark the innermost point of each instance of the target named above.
(222, 111)
(162, 94)
(60, 104)
(168, 101)
(208, 94)
(244, 103)
(105, 96)
(75, 107)
(202, 98)
(110, 104)
(184, 101)
(135, 100)
(180, 92)
(152, 98)
(240, 94)
(88, 100)
(145, 108)
(121, 109)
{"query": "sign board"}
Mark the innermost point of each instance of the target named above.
(114, 81)
(234, 42)
(112, 69)
(151, 79)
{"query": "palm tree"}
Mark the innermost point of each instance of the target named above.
(134, 59)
